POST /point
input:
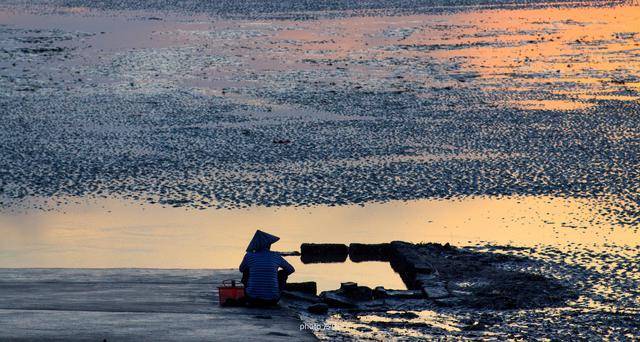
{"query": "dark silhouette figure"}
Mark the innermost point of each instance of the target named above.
(264, 273)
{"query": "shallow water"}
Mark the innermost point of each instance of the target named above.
(116, 233)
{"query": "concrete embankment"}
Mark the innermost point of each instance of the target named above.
(132, 305)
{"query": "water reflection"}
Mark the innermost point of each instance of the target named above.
(113, 233)
(529, 55)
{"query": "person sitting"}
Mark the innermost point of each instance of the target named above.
(262, 279)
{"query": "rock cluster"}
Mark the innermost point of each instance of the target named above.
(442, 275)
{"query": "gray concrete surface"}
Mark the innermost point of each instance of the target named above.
(132, 304)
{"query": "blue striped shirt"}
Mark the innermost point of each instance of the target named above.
(263, 273)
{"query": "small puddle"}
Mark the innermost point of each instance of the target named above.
(328, 276)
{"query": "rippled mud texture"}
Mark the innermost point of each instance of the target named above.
(603, 306)
(302, 10)
(233, 113)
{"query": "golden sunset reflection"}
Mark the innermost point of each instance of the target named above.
(112, 233)
(515, 50)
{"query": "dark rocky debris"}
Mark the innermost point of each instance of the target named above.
(318, 309)
(323, 252)
(359, 252)
(473, 279)
(442, 275)
(308, 287)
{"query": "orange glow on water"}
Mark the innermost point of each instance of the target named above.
(595, 48)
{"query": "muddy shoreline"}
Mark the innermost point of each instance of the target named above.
(516, 124)
(446, 275)
(454, 292)
(181, 122)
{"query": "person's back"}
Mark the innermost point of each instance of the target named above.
(264, 281)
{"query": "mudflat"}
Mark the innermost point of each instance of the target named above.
(162, 133)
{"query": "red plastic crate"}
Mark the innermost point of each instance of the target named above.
(230, 294)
